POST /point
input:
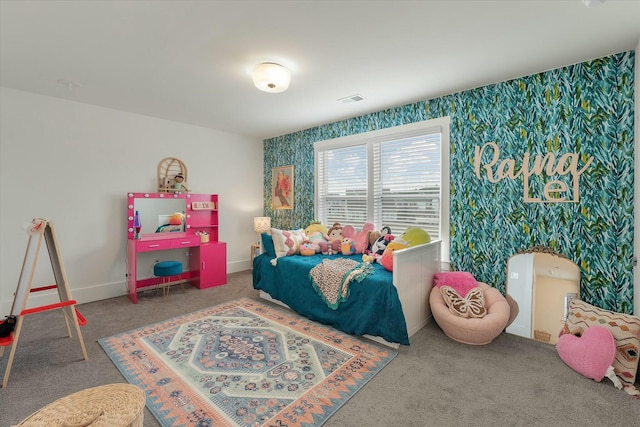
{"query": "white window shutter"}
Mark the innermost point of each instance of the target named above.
(394, 177)
(342, 186)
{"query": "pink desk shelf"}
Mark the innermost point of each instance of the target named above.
(207, 261)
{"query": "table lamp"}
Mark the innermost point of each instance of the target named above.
(261, 224)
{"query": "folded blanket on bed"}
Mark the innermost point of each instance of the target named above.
(332, 277)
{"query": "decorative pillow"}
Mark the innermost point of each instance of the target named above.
(625, 329)
(591, 354)
(287, 242)
(461, 281)
(471, 305)
(267, 245)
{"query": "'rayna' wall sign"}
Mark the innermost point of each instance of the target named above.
(554, 190)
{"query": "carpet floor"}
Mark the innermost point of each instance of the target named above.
(435, 381)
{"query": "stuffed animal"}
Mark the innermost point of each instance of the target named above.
(373, 236)
(386, 260)
(359, 238)
(307, 248)
(380, 245)
(315, 233)
(348, 247)
(176, 221)
(179, 184)
(176, 218)
(414, 236)
(334, 237)
(367, 258)
(316, 226)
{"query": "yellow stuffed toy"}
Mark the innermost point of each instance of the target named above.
(315, 234)
(414, 236)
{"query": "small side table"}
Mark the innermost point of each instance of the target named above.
(254, 250)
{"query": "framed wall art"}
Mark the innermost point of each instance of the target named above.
(282, 187)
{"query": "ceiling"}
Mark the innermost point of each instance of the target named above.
(190, 61)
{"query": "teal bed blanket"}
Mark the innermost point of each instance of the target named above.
(372, 306)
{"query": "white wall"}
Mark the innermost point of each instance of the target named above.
(74, 163)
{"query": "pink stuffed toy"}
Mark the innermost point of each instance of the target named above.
(360, 238)
(307, 248)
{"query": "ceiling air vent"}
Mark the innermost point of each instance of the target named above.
(351, 99)
(593, 3)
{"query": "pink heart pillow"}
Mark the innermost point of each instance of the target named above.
(590, 355)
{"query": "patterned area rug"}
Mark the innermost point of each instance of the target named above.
(244, 363)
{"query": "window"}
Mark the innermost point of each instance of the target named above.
(397, 177)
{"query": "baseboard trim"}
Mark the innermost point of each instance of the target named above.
(81, 295)
(92, 293)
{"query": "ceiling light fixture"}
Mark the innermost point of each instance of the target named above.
(271, 77)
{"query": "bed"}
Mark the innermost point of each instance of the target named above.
(387, 307)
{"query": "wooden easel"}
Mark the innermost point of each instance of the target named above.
(39, 229)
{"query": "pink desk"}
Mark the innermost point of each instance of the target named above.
(207, 265)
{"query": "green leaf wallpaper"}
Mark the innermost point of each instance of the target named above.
(587, 108)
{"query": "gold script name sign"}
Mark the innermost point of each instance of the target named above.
(554, 190)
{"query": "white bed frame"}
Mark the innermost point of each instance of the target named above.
(413, 270)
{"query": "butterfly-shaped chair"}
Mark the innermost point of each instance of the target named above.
(474, 331)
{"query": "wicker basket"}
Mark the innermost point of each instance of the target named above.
(168, 168)
(111, 405)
